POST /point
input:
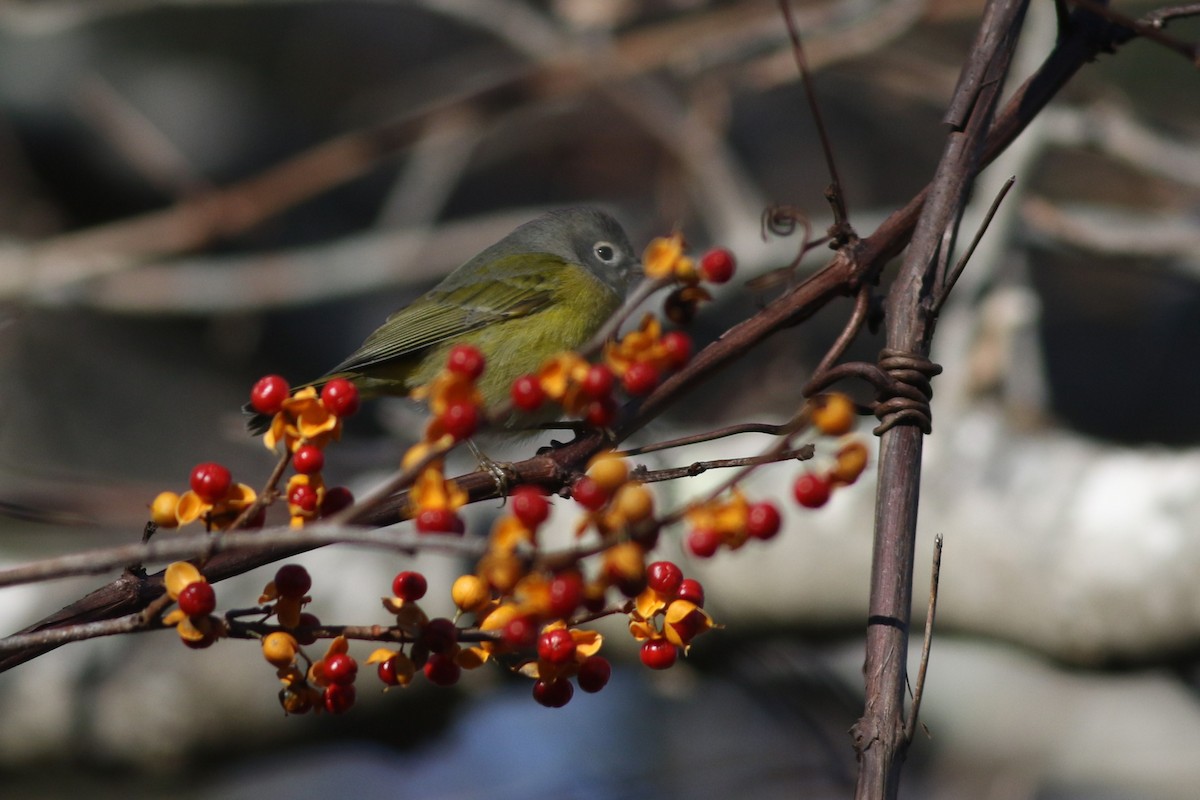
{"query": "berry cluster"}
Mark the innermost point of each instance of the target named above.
(457, 405)
(327, 683)
(729, 522)
(193, 618)
(213, 498)
(519, 607)
(639, 360)
(453, 398)
(668, 615)
(666, 258)
(831, 415)
(305, 422)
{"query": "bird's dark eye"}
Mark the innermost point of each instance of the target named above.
(605, 252)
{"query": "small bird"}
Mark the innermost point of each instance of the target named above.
(548, 286)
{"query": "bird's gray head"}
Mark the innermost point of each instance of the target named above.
(585, 236)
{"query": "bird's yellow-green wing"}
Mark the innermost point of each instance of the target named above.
(508, 288)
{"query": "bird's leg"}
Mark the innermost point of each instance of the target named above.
(498, 470)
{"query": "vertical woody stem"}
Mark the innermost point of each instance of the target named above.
(880, 735)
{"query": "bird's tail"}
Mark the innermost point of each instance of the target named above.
(256, 423)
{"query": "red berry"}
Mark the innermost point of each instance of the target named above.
(811, 490)
(520, 632)
(307, 620)
(692, 591)
(336, 499)
(340, 396)
(198, 599)
(211, 482)
(292, 580)
(762, 520)
(594, 674)
(387, 672)
(439, 635)
(600, 413)
(467, 360)
(703, 543)
(589, 493)
(664, 577)
(553, 694)
(410, 586)
(527, 393)
(566, 593)
(267, 396)
(658, 654)
(304, 496)
(640, 378)
(717, 265)
(599, 381)
(340, 668)
(439, 520)
(556, 646)
(678, 348)
(460, 419)
(442, 670)
(530, 506)
(308, 459)
(339, 698)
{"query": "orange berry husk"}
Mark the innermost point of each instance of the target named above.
(851, 461)
(833, 414)
(280, 648)
(633, 502)
(162, 510)
(501, 571)
(609, 470)
(470, 593)
(624, 562)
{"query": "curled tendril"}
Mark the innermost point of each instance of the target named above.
(782, 221)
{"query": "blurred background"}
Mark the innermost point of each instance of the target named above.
(193, 194)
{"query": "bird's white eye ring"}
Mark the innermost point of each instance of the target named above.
(605, 252)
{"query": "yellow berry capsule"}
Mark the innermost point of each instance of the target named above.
(851, 461)
(162, 510)
(833, 414)
(624, 562)
(501, 571)
(470, 592)
(500, 617)
(609, 470)
(280, 648)
(633, 502)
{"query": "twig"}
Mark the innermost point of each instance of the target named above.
(842, 232)
(1148, 30)
(266, 496)
(930, 615)
(712, 436)
(53, 637)
(853, 326)
(947, 281)
(699, 467)
(644, 289)
(1160, 17)
(402, 479)
(204, 546)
